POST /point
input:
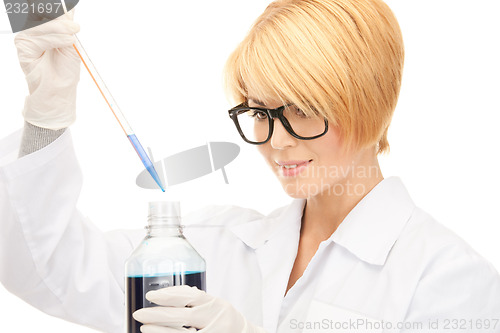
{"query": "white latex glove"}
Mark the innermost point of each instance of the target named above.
(52, 69)
(189, 306)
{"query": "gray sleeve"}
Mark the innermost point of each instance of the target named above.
(35, 138)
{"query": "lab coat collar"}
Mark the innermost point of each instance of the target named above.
(369, 230)
(256, 233)
(372, 227)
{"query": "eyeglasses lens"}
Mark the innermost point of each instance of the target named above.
(255, 124)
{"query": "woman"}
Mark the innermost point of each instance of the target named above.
(316, 83)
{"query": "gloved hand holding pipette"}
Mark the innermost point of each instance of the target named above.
(50, 56)
(52, 69)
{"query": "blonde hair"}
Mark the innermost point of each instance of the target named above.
(339, 59)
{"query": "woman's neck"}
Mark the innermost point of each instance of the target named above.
(325, 211)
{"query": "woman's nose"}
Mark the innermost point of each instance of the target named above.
(281, 139)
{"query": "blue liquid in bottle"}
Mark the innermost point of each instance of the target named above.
(163, 259)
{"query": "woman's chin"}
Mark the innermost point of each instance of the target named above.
(298, 190)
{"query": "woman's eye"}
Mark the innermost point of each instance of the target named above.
(259, 115)
(298, 113)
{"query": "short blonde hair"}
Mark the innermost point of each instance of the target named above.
(340, 59)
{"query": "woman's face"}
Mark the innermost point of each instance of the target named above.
(307, 168)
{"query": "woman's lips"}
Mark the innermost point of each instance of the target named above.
(292, 168)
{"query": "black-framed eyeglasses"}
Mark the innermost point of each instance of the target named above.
(256, 125)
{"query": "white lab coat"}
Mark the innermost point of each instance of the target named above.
(388, 262)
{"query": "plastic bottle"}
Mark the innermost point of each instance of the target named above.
(164, 258)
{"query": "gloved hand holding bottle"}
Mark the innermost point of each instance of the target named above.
(52, 69)
(184, 306)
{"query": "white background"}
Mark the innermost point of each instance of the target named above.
(163, 62)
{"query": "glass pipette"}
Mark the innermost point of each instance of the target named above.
(115, 108)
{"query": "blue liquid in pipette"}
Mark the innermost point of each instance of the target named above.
(145, 160)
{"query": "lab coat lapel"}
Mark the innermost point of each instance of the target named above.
(275, 240)
(372, 227)
(276, 257)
